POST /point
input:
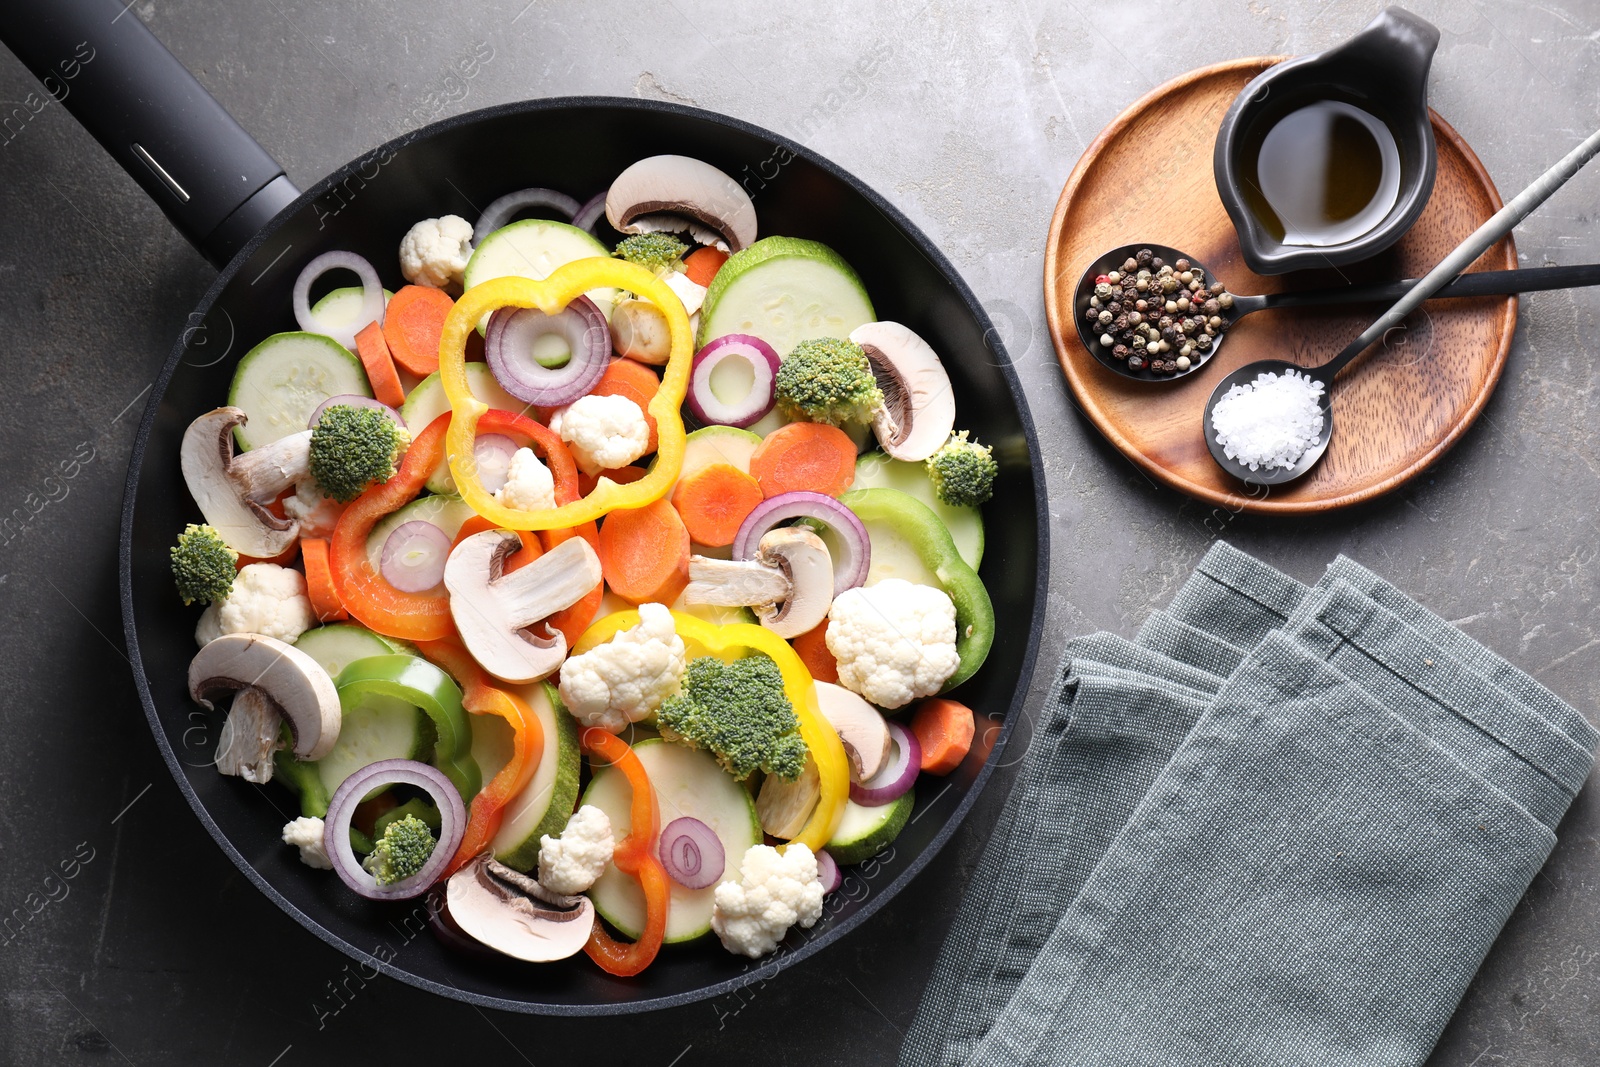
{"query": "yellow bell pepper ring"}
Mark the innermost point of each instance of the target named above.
(730, 642)
(551, 295)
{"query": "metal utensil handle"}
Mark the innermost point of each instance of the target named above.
(1478, 283)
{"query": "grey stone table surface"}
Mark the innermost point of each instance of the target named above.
(969, 118)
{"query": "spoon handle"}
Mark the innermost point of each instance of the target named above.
(1478, 283)
(1500, 223)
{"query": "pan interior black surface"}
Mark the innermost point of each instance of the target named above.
(459, 166)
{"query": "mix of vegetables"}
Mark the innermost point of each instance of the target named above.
(514, 634)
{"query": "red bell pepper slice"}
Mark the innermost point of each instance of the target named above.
(635, 855)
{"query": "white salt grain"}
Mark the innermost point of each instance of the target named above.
(1269, 422)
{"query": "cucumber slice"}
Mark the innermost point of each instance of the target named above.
(785, 290)
(865, 832)
(492, 744)
(427, 402)
(718, 444)
(547, 800)
(445, 512)
(341, 306)
(687, 782)
(280, 382)
(534, 248)
(375, 728)
(878, 471)
(336, 645)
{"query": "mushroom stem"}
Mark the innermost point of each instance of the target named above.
(251, 733)
(789, 584)
(264, 473)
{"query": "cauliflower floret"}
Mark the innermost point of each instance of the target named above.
(529, 484)
(604, 432)
(895, 641)
(266, 599)
(776, 891)
(305, 833)
(435, 251)
(317, 514)
(569, 864)
(629, 676)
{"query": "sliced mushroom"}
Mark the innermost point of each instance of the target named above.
(276, 683)
(677, 194)
(639, 331)
(513, 914)
(860, 726)
(919, 407)
(784, 806)
(789, 583)
(233, 491)
(493, 611)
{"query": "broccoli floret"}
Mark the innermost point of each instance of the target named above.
(352, 447)
(402, 851)
(738, 712)
(203, 565)
(656, 251)
(828, 379)
(962, 471)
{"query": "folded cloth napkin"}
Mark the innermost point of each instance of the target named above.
(1304, 863)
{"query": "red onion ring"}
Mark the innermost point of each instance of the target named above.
(692, 853)
(756, 403)
(371, 296)
(342, 808)
(500, 211)
(890, 783)
(414, 556)
(828, 872)
(353, 400)
(492, 453)
(849, 570)
(592, 211)
(508, 345)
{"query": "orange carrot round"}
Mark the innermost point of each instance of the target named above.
(644, 553)
(320, 590)
(714, 501)
(624, 377)
(812, 648)
(809, 456)
(701, 265)
(944, 729)
(412, 324)
(379, 364)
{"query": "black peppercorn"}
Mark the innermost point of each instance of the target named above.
(1144, 256)
(1120, 351)
(1136, 363)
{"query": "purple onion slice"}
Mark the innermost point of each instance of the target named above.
(414, 556)
(492, 453)
(850, 564)
(353, 400)
(592, 211)
(890, 783)
(828, 872)
(371, 296)
(499, 212)
(758, 399)
(374, 776)
(509, 349)
(692, 853)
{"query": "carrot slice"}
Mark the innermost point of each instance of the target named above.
(412, 324)
(379, 364)
(620, 475)
(701, 265)
(323, 594)
(804, 456)
(944, 729)
(624, 377)
(714, 501)
(644, 553)
(812, 648)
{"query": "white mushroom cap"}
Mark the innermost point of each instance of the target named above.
(678, 194)
(513, 914)
(292, 684)
(789, 583)
(233, 491)
(919, 406)
(860, 726)
(493, 611)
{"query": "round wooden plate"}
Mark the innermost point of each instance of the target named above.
(1147, 177)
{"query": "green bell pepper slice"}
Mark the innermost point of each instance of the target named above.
(916, 524)
(420, 684)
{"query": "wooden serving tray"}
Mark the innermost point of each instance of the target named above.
(1148, 177)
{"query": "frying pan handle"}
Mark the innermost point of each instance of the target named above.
(216, 184)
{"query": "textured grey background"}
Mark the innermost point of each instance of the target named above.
(159, 952)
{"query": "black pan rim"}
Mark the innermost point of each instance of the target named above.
(775, 963)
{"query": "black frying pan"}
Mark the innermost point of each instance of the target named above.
(230, 199)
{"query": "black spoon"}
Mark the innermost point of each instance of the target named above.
(1499, 224)
(1478, 283)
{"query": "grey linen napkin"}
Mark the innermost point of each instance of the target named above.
(1313, 877)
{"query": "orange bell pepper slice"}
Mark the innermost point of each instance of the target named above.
(635, 855)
